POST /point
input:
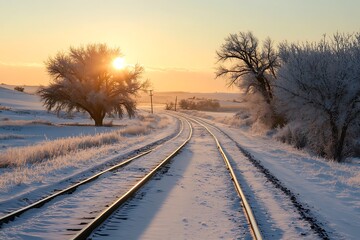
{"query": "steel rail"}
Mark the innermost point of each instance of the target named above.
(88, 229)
(11, 216)
(304, 212)
(70, 189)
(248, 211)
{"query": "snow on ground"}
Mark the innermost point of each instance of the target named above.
(193, 199)
(70, 145)
(64, 216)
(330, 190)
(24, 121)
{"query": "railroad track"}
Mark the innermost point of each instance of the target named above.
(149, 169)
(246, 206)
(27, 201)
(253, 225)
(95, 221)
(304, 212)
(86, 231)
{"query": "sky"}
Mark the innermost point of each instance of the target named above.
(175, 41)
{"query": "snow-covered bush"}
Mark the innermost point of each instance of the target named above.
(292, 134)
(318, 90)
(170, 106)
(20, 89)
(259, 113)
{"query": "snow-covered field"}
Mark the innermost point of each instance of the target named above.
(40, 152)
(39, 149)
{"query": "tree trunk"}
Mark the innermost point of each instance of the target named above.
(98, 121)
(264, 89)
(338, 141)
(98, 118)
(338, 156)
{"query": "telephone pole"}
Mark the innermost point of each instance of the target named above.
(175, 102)
(151, 94)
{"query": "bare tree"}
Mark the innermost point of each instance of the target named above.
(252, 67)
(84, 79)
(319, 88)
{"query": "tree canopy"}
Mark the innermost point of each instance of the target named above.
(252, 67)
(84, 79)
(319, 89)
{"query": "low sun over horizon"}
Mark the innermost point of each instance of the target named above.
(180, 119)
(175, 42)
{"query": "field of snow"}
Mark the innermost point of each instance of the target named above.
(40, 152)
(39, 148)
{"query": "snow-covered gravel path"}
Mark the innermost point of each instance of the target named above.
(193, 198)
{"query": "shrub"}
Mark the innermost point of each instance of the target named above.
(20, 89)
(170, 106)
(202, 104)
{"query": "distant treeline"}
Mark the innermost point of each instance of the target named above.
(195, 104)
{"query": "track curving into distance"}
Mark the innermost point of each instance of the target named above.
(87, 230)
(303, 211)
(103, 174)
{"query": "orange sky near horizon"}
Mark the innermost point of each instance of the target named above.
(175, 41)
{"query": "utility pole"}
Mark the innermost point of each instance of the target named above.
(175, 102)
(151, 94)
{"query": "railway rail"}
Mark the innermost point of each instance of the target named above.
(304, 212)
(65, 192)
(254, 228)
(87, 230)
(11, 216)
(111, 165)
(95, 222)
(246, 206)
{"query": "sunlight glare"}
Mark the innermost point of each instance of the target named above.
(119, 63)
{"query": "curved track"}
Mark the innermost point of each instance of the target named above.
(27, 201)
(304, 212)
(195, 197)
(70, 191)
(85, 232)
(147, 172)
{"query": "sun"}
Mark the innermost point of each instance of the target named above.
(119, 63)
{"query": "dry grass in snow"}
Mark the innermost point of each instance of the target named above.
(40, 172)
(20, 156)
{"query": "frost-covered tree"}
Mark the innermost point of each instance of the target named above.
(84, 79)
(252, 67)
(318, 88)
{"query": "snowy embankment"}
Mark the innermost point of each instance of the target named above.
(329, 189)
(39, 150)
